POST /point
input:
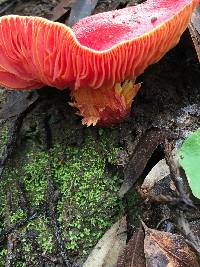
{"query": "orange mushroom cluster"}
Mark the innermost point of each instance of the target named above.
(98, 59)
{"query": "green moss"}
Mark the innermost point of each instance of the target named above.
(35, 173)
(44, 237)
(87, 203)
(89, 194)
(10, 211)
(3, 254)
(17, 215)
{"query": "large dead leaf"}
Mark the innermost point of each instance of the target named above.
(147, 144)
(133, 253)
(107, 250)
(167, 250)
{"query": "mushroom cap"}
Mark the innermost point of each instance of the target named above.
(98, 52)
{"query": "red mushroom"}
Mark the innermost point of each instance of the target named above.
(98, 59)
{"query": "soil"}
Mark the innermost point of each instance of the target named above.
(169, 99)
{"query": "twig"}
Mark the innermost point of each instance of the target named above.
(183, 200)
(23, 203)
(11, 249)
(50, 210)
(191, 239)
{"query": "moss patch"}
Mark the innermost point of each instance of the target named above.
(86, 184)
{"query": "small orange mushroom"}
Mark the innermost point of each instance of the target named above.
(98, 59)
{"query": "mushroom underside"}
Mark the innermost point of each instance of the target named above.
(99, 54)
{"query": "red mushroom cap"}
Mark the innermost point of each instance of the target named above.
(99, 52)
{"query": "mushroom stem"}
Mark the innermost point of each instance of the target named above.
(105, 106)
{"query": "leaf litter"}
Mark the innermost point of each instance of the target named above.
(109, 247)
(133, 254)
(166, 249)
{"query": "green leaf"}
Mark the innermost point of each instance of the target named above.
(190, 161)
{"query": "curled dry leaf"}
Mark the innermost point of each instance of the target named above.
(166, 249)
(133, 253)
(109, 247)
(157, 173)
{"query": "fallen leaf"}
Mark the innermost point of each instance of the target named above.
(109, 247)
(133, 253)
(163, 249)
(157, 173)
(17, 102)
(141, 155)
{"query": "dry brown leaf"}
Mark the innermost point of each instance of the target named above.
(157, 173)
(109, 247)
(164, 249)
(146, 145)
(133, 253)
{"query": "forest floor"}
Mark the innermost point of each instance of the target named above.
(60, 181)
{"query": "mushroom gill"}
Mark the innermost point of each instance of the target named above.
(97, 59)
